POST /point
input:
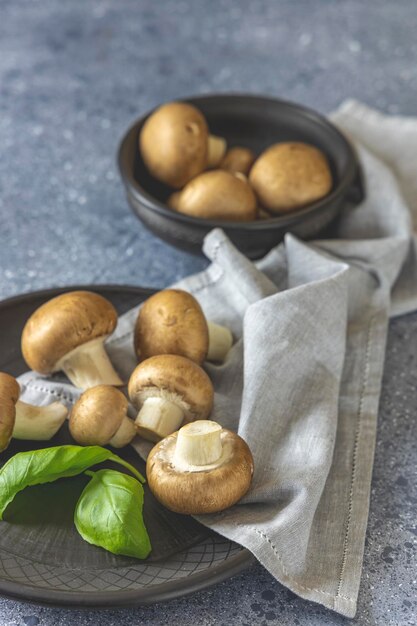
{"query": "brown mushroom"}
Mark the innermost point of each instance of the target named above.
(172, 322)
(26, 421)
(288, 176)
(176, 146)
(262, 214)
(166, 390)
(173, 200)
(238, 159)
(99, 417)
(67, 334)
(218, 195)
(202, 468)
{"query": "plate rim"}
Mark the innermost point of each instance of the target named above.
(146, 596)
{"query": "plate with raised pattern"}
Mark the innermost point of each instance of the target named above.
(42, 557)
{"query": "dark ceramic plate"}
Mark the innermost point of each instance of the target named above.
(44, 560)
(255, 122)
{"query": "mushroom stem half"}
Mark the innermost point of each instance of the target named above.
(216, 150)
(220, 342)
(88, 365)
(198, 444)
(38, 423)
(158, 418)
(124, 434)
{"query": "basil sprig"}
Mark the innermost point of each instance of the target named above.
(109, 511)
(109, 514)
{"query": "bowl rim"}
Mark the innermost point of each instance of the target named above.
(151, 203)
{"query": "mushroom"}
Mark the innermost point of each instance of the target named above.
(173, 199)
(99, 417)
(67, 334)
(176, 146)
(202, 468)
(218, 195)
(288, 176)
(172, 322)
(26, 421)
(238, 159)
(168, 389)
(262, 214)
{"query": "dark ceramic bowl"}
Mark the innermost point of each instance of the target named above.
(255, 122)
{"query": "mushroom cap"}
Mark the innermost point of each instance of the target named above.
(203, 491)
(218, 195)
(288, 176)
(174, 143)
(238, 159)
(171, 322)
(64, 323)
(9, 395)
(97, 415)
(173, 378)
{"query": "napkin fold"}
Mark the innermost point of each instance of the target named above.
(302, 382)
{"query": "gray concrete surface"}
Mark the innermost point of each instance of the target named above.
(72, 77)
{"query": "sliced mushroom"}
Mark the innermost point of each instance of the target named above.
(202, 468)
(67, 334)
(167, 390)
(99, 417)
(238, 159)
(218, 195)
(288, 176)
(26, 421)
(172, 322)
(176, 146)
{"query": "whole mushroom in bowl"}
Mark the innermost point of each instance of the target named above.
(176, 145)
(218, 195)
(289, 176)
(67, 334)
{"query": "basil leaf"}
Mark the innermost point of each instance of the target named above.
(109, 514)
(47, 465)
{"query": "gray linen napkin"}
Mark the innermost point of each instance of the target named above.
(302, 381)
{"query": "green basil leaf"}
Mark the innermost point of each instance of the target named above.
(47, 465)
(109, 514)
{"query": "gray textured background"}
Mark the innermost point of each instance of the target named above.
(73, 75)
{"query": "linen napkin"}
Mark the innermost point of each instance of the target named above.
(302, 382)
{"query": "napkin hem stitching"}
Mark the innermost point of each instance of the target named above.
(355, 456)
(288, 575)
(51, 392)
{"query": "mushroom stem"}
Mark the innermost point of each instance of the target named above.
(216, 150)
(158, 418)
(220, 342)
(89, 365)
(124, 434)
(38, 423)
(198, 444)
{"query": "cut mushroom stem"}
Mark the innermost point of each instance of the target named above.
(202, 468)
(158, 418)
(220, 342)
(38, 423)
(217, 147)
(88, 365)
(198, 444)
